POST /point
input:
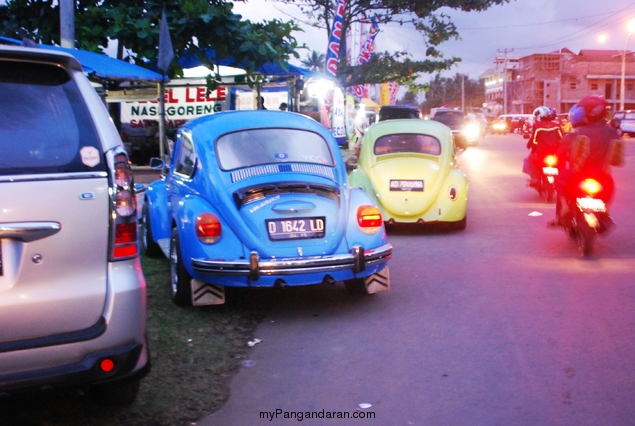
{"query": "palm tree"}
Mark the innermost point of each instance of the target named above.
(314, 62)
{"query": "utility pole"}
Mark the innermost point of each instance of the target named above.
(463, 92)
(67, 23)
(505, 78)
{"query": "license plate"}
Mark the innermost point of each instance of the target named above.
(549, 171)
(296, 228)
(406, 185)
(591, 204)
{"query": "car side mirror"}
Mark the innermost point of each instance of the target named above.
(157, 163)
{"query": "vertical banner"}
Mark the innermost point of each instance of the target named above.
(366, 52)
(393, 88)
(337, 117)
(333, 50)
(384, 94)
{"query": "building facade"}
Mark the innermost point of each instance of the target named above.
(560, 79)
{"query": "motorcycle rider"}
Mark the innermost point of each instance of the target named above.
(544, 140)
(579, 160)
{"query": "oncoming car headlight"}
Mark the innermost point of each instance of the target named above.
(472, 131)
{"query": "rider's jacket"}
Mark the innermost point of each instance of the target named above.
(600, 135)
(545, 137)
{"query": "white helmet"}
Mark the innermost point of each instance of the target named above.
(542, 113)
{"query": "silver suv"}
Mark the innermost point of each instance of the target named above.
(72, 294)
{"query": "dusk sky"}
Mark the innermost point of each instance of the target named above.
(526, 26)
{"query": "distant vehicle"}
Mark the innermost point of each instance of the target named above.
(261, 199)
(626, 121)
(464, 131)
(409, 169)
(514, 121)
(393, 112)
(72, 293)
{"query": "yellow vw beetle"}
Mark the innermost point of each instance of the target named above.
(409, 168)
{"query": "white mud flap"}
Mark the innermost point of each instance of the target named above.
(378, 282)
(207, 294)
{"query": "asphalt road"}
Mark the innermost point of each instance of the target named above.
(500, 324)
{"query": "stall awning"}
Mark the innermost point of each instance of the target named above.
(100, 66)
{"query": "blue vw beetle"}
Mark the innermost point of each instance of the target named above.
(261, 199)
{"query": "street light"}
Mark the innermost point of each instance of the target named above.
(631, 30)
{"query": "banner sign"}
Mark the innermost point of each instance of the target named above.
(365, 53)
(181, 105)
(333, 50)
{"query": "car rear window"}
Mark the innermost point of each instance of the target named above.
(450, 118)
(407, 143)
(255, 147)
(45, 126)
(397, 113)
(630, 116)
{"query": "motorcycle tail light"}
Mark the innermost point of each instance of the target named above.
(208, 228)
(591, 186)
(369, 219)
(551, 160)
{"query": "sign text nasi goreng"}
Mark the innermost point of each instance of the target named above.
(181, 105)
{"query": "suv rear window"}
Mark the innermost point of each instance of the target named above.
(45, 127)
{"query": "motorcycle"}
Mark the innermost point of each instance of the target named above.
(589, 215)
(547, 173)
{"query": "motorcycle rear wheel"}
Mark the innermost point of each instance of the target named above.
(585, 237)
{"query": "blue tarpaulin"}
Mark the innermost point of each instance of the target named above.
(100, 65)
(269, 69)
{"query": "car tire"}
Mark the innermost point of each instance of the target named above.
(179, 277)
(356, 286)
(461, 224)
(150, 248)
(112, 394)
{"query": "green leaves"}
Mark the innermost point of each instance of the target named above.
(195, 25)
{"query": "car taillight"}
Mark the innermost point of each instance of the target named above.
(369, 219)
(208, 228)
(124, 240)
(551, 160)
(591, 186)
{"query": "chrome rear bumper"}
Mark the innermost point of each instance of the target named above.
(357, 260)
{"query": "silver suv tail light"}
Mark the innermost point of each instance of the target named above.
(124, 243)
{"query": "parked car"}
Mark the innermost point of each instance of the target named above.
(464, 131)
(410, 170)
(261, 199)
(72, 294)
(626, 121)
(393, 112)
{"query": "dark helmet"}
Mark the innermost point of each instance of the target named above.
(553, 114)
(576, 115)
(595, 107)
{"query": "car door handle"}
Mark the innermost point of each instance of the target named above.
(29, 231)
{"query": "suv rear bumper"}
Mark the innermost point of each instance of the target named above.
(125, 359)
(118, 334)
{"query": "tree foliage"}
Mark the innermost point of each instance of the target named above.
(314, 61)
(195, 25)
(449, 92)
(426, 16)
